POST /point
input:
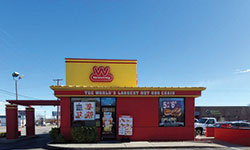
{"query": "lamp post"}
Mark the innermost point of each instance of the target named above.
(16, 77)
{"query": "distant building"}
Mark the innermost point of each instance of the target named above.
(22, 113)
(223, 113)
(3, 120)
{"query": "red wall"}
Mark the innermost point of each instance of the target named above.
(236, 136)
(65, 118)
(209, 132)
(145, 114)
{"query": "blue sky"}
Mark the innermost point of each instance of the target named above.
(177, 43)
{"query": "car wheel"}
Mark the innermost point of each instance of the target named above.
(198, 131)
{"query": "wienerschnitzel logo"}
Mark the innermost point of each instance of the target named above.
(101, 74)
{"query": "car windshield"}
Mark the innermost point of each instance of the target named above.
(202, 120)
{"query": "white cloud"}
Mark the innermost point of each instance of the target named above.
(3, 103)
(243, 71)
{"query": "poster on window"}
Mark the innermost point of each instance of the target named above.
(125, 125)
(107, 122)
(84, 110)
(171, 111)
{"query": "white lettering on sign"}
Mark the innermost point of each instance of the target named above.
(89, 92)
(129, 92)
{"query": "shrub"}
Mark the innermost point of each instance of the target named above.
(60, 139)
(56, 135)
(84, 134)
(78, 134)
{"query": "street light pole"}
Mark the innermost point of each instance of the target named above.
(16, 89)
(16, 77)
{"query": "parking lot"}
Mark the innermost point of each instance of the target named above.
(43, 138)
(38, 129)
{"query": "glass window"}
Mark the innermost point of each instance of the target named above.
(210, 121)
(85, 112)
(108, 101)
(171, 112)
(202, 120)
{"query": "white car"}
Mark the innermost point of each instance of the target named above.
(202, 124)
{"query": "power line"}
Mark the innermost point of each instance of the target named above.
(13, 94)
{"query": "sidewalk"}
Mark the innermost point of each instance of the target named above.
(137, 145)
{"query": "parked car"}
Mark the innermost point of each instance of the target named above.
(203, 123)
(225, 124)
(240, 124)
(232, 124)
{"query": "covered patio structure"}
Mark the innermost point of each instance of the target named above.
(12, 115)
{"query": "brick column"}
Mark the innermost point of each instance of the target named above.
(11, 121)
(30, 121)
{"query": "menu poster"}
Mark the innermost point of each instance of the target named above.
(172, 108)
(84, 110)
(107, 121)
(125, 125)
(171, 112)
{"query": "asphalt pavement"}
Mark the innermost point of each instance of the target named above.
(38, 129)
(40, 141)
(204, 145)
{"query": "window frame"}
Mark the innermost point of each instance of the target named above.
(77, 123)
(160, 113)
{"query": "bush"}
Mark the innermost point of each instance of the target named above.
(56, 135)
(84, 134)
(60, 139)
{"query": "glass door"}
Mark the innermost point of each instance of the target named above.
(108, 118)
(108, 123)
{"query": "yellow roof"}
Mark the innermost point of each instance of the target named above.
(80, 87)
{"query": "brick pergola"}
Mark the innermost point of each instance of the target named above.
(12, 116)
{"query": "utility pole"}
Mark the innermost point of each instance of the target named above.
(57, 107)
(57, 81)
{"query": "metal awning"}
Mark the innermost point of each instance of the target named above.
(35, 102)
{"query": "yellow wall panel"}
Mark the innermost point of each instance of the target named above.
(78, 72)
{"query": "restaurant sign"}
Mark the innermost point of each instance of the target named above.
(127, 92)
(101, 74)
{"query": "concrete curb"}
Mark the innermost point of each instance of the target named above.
(135, 145)
(115, 148)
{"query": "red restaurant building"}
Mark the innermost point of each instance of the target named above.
(104, 93)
